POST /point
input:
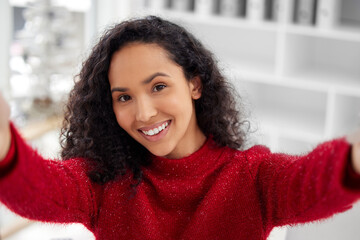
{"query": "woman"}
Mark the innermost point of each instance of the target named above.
(151, 150)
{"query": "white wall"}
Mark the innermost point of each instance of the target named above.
(110, 12)
(5, 29)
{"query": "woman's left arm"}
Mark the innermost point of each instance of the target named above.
(301, 188)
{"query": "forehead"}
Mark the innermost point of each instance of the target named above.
(139, 54)
(138, 61)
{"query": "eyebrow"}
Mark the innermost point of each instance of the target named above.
(144, 82)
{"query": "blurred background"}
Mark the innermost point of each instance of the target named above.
(295, 63)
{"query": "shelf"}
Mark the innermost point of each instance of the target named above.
(186, 18)
(342, 33)
(289, 111)
(324, 60)
(248, 68)
(338, 78)
(309, 80)
(250, 49)
(237, 73)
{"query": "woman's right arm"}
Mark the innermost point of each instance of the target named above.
(42, 189)
(5, 135)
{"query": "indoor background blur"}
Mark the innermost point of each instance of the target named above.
(296, 64)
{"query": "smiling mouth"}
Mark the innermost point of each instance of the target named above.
(156, 130)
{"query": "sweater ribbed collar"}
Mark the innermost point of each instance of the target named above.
(199, 162)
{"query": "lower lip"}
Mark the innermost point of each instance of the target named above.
(158, 136)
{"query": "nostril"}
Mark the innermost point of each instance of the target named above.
(145, 112)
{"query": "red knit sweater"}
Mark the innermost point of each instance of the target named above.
(215, 193)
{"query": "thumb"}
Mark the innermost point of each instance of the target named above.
(5, 136)
(4, 112)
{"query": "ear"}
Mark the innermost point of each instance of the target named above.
(195, 87)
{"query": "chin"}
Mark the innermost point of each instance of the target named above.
(160, 152)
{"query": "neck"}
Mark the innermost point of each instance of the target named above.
(189, 147)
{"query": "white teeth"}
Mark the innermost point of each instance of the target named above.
(156, 130)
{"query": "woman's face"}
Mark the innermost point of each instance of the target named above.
(153, 101)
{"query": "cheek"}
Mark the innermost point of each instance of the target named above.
(123, 118)
(179, 105)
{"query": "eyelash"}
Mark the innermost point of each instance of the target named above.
(122, 96)
(154, 90)
(159, 85)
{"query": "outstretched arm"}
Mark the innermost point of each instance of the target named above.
(42, 189)
(303, 188)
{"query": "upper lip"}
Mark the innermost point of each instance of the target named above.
(156, 125)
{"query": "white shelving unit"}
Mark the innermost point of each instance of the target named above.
(302, 82)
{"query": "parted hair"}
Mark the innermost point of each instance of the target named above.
(90, 129)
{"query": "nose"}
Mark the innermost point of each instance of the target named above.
(145, 109)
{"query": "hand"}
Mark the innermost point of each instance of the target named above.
(5, 135)
(356, 157)
(354, 139)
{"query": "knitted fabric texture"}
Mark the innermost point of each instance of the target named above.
(215, 193)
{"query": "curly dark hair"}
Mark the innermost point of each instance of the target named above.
(90, 129)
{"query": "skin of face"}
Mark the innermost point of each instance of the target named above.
(149, 90)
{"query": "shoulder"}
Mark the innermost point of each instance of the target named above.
(250, 157)
(77, 164)
(254, 152)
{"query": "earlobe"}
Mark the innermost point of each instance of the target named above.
(196, 89)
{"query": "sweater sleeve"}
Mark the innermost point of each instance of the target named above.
(46, 190)
(299, 189)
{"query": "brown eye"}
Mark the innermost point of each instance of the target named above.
(124, 98)
(159, 87)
